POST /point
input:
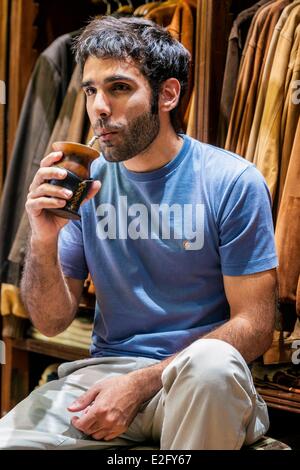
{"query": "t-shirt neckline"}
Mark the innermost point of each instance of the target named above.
(160, 172)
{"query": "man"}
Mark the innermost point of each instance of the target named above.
(179, 244)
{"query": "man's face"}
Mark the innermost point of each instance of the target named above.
(119, 102)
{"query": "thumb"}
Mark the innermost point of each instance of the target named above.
(84, 400)
(95, 187)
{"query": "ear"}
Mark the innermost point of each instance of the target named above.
(169, 94)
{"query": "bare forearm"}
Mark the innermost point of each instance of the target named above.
(248, 337)
(44, 290)
(148, 380)
(253, 301)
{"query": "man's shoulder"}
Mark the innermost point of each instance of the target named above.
(218, 164)
(223, 173)
(223, 159)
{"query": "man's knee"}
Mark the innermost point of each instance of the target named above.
(207, 364)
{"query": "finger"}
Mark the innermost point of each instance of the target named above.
(87, 428)
(86, 423)
(99, 435)
(75, 421)
(95, 187)
(84, 400)
(89, 421)
(52, 190)
(35, 206)
(44, 174)
(106, 434)
(51, 158)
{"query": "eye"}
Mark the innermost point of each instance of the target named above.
(120, 87)
(89, 91)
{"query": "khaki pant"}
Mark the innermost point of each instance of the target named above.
(208, 401)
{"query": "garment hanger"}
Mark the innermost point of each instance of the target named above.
(144, 9)
(161, 5)
(108, 7)
(125, 9)
(138, 10)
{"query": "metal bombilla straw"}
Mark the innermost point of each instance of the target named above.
(92, 141)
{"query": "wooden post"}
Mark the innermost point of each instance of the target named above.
(4, 18)
(22, 57)
(15, 376)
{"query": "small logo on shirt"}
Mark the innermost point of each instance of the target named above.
(186, 245)
(184, 223)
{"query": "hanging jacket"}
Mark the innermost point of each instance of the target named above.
(288, 229)
(261, 97)
(236, 43)
(247, 73)
(270, 149)
(40, 109)
(69, 126)
(261, 49)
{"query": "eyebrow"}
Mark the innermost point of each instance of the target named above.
(112, 79)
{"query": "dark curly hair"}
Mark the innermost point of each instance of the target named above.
(156, 53)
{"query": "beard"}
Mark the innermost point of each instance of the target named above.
(136, 138)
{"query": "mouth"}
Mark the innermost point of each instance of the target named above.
(104, 131)
(106, 135)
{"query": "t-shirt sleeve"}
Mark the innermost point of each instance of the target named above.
(71, 251)
(246, 233)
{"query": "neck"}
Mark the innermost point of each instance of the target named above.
(158, 153)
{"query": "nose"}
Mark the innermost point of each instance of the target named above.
(101, 105)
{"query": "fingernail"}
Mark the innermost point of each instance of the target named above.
(67, 192)
(62, 172)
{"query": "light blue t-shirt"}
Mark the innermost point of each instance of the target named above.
(158, 243)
